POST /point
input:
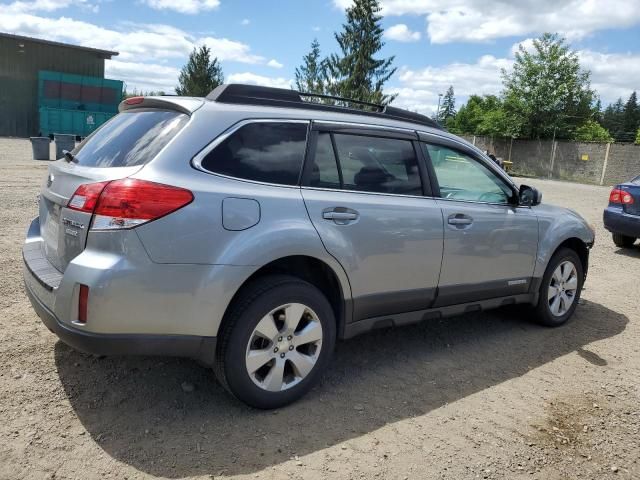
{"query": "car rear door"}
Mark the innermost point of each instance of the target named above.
(490, 243)
(365, 194)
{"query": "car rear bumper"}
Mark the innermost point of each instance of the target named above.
(200, 348)
(616, 221)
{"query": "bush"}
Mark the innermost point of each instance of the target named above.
(638, 137)
(592, 131)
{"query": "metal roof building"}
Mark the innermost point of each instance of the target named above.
(21, 58)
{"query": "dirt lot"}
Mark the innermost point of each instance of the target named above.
(480, 396)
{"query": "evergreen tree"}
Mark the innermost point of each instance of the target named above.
(547, 91)
(631, 115)
(200, 75)
(597, 111)
(613, 118)
(356, 73)
(310, 75)
(448, 108)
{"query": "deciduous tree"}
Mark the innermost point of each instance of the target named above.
(592, 131)
(547, 91)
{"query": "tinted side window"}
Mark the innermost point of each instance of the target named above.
(463, 178)
(264, 151)
(324, 171)
(374, 164)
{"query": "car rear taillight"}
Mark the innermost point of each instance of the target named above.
(620, 196)
(86, 196)
(128, 203)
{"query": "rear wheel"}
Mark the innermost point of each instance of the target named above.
(623, 241)
(276, 340)
(560, 289)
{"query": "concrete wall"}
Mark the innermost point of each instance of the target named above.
(624, 163)
(566, 160)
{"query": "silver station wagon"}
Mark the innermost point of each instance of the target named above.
(254, 228)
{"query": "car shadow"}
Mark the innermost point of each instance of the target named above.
(633, 251)
(137, 411)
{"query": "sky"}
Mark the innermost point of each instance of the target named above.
(436, 43)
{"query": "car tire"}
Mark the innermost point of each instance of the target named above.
(562, 281)
(258, 329)
(623, 241)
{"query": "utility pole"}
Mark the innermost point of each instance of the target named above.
(438, 111)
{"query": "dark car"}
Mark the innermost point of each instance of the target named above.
(622, 216)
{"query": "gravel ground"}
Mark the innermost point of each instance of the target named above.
(479, 396)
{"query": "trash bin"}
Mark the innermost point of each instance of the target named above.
(64, 142)
(40, 147)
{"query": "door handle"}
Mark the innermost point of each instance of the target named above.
(340, 215)
(460, 220)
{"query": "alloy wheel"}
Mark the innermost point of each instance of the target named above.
(284, 347)
(563, 286)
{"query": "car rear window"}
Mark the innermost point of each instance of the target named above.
(269, 152)
(130, 138)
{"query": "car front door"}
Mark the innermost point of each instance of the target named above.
(364, 193)
(490, 243)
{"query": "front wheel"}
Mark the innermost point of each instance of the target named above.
(622, 241)
(275, 342)
(560, 289)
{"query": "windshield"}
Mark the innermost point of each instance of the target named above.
(130, 138)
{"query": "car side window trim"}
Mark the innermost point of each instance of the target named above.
(365, 130)
(362, 130)
(196, 161)
(454, 147)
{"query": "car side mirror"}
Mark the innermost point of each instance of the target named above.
(529, 196)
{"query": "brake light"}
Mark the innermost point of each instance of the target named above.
(127, 203)
(134, 100)
(620, 196)
(86, 196)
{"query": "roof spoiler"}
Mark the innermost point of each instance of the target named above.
(186, 105)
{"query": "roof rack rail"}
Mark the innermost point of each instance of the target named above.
(282, 97)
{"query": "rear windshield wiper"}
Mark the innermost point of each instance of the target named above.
(69, 156)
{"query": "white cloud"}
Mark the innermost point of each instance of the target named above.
(253, 79)
(189, 7)
(527, 44)
(484, 20)
(613, 75)
(141, 42)
(274, 63)
(245, 22)
(230, 50)
(143, 76)
(402, 33)
(144, 49)
(316, 28)
(418, 89)
(20, 6)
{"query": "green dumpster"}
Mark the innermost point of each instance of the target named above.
(75, 104)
